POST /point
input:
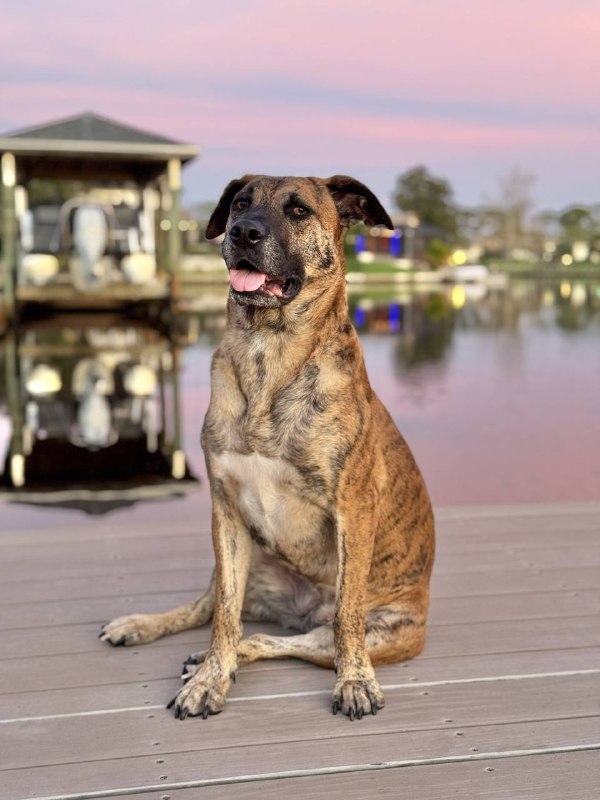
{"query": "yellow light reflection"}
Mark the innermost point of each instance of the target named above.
(548, 297)
(565, 289)
(458, 296)
(578, 294)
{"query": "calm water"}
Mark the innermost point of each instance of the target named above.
(497, 392)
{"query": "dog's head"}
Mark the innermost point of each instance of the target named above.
(281, 233)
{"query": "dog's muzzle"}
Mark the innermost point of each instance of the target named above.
(252, 278)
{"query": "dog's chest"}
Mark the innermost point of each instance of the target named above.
(269, 493)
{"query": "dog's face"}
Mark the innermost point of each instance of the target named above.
(281, 233)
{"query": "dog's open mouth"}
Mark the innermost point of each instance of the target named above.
(247, 278)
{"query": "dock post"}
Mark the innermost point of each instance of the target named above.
(178, 457)
(174, 242)
(9, 230)
(14, 400)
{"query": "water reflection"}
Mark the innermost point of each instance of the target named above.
(94, 407)
(495, 390)
(425, 323)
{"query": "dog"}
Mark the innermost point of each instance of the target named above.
(321, 519)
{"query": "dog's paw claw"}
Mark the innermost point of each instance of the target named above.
(197, 699)
(355, 698)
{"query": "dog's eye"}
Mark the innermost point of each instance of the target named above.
(299, 211)
(241, 203)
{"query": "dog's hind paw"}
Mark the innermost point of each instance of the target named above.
(130, 630)
(191, 664)
(356, 698)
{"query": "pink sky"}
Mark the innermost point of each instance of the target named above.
(471, 88)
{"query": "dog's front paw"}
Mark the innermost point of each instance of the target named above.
(357, 697)
(198, 698)
(133, 629)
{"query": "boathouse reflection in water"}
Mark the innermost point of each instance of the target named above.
(509, 374)
(95, 414)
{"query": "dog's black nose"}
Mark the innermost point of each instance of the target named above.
(248, 232)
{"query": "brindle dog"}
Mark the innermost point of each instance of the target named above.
(321, 519)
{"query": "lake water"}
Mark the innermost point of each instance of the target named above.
(496, 391)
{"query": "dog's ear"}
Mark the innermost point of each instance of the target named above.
(218, 219)
(356, 203)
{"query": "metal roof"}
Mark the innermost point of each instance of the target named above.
(94, 136)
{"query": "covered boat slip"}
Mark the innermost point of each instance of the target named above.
(90, 214)
(503, 703)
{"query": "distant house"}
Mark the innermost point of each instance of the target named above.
(406, 242)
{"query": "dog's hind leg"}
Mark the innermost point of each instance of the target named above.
(143, 628)
(270, 591)
(393, 633)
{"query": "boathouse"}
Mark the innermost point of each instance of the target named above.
(90, 214)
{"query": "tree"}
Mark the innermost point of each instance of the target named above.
(579, 223)
(430, 198)
(437, 252)
(516, 203)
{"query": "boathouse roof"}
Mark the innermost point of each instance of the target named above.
(70, 144)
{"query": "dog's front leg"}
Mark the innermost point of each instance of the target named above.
(356, 691)
(205, 693)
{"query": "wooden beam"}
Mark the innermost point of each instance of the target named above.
(174, 234)
(8, 166)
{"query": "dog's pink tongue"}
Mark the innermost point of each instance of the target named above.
(246, 280)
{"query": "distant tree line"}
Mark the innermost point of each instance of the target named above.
(506, 227)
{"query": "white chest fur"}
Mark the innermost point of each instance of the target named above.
(269, 495)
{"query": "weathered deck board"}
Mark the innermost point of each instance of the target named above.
(466, 572)
(449, 610)
(153, 687)
(310, 756)
(516, 520)
(410, 708)
(492, 554)
(511, 668)
(163, 659)
(158, 582)
(571, 776)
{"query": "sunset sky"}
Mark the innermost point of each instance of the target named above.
(470, 88)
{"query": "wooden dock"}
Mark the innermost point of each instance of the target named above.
(503, 703)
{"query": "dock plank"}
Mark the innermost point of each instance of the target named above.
(559, 776)
(254, 765)
(449, 611)
(296, 716)
(166, 580)
(159, 679)
(12, 544)
(164, 658)
(124, 551)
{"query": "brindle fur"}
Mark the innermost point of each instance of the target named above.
(321, 519)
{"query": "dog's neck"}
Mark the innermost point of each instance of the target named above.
(272, 344)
